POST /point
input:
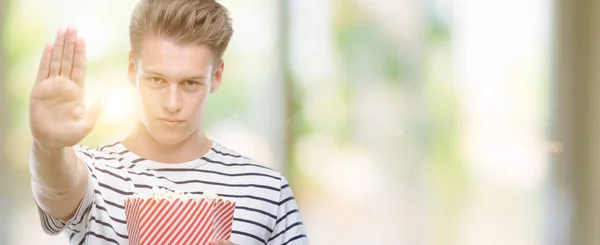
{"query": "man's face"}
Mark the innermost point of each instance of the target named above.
(172, 82)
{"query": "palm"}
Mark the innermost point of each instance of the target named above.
(57, 112)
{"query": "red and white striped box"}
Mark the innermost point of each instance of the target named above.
(178, 221)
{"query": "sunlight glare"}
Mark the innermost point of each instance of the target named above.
(118, 108)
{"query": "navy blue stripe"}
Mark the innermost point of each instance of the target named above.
(196, 170)
(71, 236)
(111, 145)
(100, 222)
(254, 223)
(234, 164)
(90, 233)
(103, 158)
(225, 154)
(100, 207)
(46, 224)
(108, 158)
(197, 181)
(89, 168)
(294, 238)
(138, 160)
(112, 174)
(285, 216)
(85, 147)
(84, 237)
(123, 152)
(109, 216)
(172, 181)
(257, 211)
(100, 157)
(124, 193)
(286, 200)
(114, 204)
(85, 212)
(286, 229)
(221, 184)
(87, 154)
(248, 235)
(213, 172)
(58, 224)
(141, 173)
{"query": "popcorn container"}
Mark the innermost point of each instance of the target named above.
(186, 219)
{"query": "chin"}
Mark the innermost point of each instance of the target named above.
(168, 137)
(168, 140)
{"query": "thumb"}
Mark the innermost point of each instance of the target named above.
(94, 112)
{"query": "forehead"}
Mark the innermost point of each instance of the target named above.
(165, 56)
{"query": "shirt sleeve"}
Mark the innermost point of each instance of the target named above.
(288, 229)
(78, 223)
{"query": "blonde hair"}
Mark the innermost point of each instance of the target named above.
(203, 22)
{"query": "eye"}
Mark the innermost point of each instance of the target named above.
(191, 83)
(156, 80)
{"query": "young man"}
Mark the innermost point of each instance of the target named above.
(174, 64)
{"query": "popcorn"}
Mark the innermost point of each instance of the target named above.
(165, 194)
(176, 217)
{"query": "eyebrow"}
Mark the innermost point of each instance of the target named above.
(199, 77)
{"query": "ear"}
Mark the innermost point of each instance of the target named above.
(217, 76)
(131, 69)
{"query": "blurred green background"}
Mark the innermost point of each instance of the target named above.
(396, 121)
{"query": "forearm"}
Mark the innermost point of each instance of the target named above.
(59, 180)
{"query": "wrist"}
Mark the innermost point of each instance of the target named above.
(47, 149)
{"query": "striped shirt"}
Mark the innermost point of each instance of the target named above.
(265, 213)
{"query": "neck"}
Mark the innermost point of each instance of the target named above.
(141, 143)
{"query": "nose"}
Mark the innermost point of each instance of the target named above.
(172, 101)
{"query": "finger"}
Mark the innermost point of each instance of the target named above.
(57, 52)
(44, 68)
(68, 52)
(221, 242)
(80, 62)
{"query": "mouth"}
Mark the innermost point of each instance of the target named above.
(171, 120)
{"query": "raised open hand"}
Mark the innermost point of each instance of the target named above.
(57, 112)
